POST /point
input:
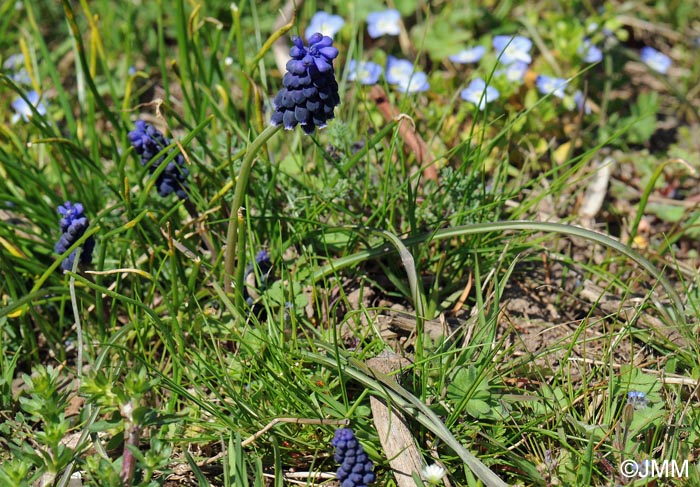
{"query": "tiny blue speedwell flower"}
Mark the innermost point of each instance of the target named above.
(148, 141)
(590, 52)
(656, 60)
(310, 92)
(325, 23)
(593, 27)
(581, 102)
(479, 94)
(73, 225)
(23, 110)
(514, 72)
(513, 48)
(637, 399)
(386, 22)
(401, 73)
(366, 72)
(551, 85)
(468, 56)
(355, 466)
(14, 64)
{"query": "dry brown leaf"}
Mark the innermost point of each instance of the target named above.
(396, 439)
(407, 130)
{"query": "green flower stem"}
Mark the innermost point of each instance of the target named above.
(238, 196)
(240, 41)
(240, 269)
(76, 313)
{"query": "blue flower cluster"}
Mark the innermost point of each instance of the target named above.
(399, 72)
(148, 142)
(310, 92)
(355, 466)
(73, 225)
(513, 53)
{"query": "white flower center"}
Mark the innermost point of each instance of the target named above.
(398, 73)
(385, 25)
(325, 29)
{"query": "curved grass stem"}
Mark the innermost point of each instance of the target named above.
(517, 225)
(236, 205)
(415, 284)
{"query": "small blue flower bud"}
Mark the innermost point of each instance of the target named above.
(73, 225)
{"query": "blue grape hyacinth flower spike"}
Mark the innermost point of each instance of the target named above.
(73, 225)
(148, 141)
(355, 466)
(310, 92)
